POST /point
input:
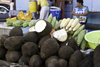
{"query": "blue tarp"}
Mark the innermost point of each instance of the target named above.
(25, 30)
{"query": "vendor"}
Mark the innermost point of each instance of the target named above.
(80, 11)
(44, 11)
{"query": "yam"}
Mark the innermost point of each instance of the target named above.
(30, 37)
(53, 63)
(63, 63)
(43, 39)
(73, 44)
(75, 59)
(43, 27)
(35, 61)
(65, 52)
(32, 29)
(97, 56)
(24, 59)
(13, 43)
(17, 31)
(2, 52)
(50, 58)
(29, 49)
(2, 39)
(49, 47)
(13, 56)
(60, 35)
(88, 61)
(63, 43)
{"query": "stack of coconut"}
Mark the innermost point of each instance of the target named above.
(38, 49)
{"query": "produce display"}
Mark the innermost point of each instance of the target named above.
(22, 17)
(60, 35)
(19, 23)
(41, 48)
(67, 29)
(43, 27)
(21, 20)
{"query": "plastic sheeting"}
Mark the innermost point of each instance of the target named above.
(4, 29)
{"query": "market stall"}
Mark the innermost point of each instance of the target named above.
(52, 42)
(29, 42)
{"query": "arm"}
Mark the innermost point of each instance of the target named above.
(73, 13)
(86, 13)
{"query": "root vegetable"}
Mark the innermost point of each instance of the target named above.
(29, 49)
(13, 43)
(43, 39)
(30, 37)
(32, 29)
(2, 39)
(65, 52)
(43, 27)
(49, 47)
(13, 56)
(50, 58)
(63, 63)
(24, 59)
(97, 56)
(17, 31)
(60, 35)
(75, 59)
(35, 61)
(2, 52)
